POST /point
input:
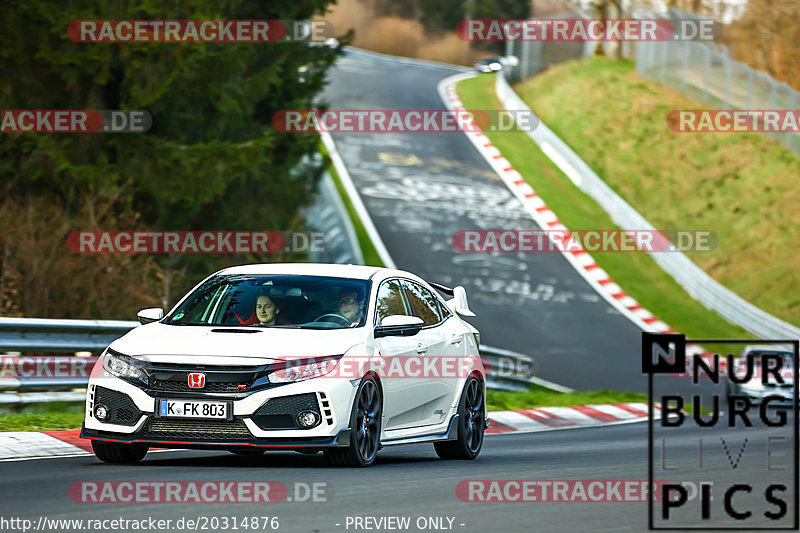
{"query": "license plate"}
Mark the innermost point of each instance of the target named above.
(192, 409)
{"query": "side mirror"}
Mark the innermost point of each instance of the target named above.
(399, 326)
(151, 314)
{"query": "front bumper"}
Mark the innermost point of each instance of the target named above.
(261, 418)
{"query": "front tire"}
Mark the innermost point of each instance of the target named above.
(119, 453)
(471, 425)
(365, 428)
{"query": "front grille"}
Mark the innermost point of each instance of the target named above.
(121, 409)
(173, 377)
(281, 413)
(183, 386)
(168, 429)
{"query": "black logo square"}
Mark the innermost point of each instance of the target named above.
(663, 353)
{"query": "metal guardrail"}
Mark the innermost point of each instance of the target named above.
(60, 336)
(43, 335)
(10, 399)
(507, 370)
(688, 275)
(329, 215)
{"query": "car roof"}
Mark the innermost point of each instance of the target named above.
(319, 269)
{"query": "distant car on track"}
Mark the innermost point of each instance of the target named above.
(754, 388)
(335, 358)
(490, 64)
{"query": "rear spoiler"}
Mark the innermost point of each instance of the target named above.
(441, 288)
(458, 303)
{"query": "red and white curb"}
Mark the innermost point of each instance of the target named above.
(40, 444)
(18, 445)
(579, 258)
(550, 418)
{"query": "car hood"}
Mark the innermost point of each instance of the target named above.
(225, 345)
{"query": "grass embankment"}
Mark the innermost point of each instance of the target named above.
(45, 417)
(743, 186)
(637, 273)
(368, 250)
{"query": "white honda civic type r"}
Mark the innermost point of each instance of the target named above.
(335, 358)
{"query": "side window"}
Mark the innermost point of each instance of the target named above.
(390, 300)
(444, 310)
(423, 303)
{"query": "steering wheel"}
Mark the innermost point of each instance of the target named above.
(344, 320)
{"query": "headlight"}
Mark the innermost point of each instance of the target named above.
(124, 367)
(304, 369)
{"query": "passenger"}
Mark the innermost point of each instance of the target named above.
(351, 305)
(266, 311)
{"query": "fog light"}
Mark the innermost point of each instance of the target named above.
(307, 419)
(101, 412)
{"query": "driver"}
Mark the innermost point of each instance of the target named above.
(351, 305)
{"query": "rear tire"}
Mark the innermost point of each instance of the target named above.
(119, 453)
(471, 425)
(365, 428)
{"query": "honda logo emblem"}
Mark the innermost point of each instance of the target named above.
(197, 380)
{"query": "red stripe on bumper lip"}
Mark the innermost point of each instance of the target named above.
(223, 444)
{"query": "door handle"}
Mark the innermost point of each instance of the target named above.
(456, 339)
(421, 348)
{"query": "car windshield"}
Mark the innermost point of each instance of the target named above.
(308, 302)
